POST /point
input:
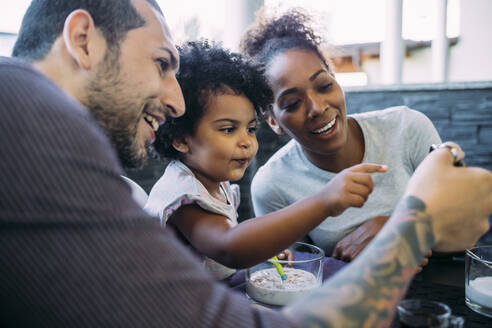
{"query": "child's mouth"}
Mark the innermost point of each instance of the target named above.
(242, 161)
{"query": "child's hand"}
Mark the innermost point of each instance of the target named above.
(350, 187)
(286, 254)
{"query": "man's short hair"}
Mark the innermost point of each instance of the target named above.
(44, 21)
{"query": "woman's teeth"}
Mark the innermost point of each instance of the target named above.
(152, 121)
(326, 127)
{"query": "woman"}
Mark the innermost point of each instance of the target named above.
(309, 106)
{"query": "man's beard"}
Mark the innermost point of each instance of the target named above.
(110, 101)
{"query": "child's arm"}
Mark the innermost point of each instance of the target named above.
(253, 241)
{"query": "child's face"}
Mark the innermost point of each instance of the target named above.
(224, 141)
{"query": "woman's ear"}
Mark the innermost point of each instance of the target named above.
(273, 124)
(181, 145)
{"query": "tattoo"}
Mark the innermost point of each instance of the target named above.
(366, 292)
(413, 202)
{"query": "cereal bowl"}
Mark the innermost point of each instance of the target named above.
(265, 285)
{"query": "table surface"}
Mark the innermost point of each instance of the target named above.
(441, 280)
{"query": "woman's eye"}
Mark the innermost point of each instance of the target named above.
(292, 106)
(325, 87)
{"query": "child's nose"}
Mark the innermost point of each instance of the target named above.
(245, 142)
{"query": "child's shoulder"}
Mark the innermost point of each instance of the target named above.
(176, 180)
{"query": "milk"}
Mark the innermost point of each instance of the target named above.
(266, 286)
(479, 291)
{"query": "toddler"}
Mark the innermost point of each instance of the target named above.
(213, 143)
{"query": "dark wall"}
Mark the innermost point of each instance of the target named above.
(461, 112)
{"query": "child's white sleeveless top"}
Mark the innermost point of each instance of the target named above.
(178, 186)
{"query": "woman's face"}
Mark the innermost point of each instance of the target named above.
(309, 104)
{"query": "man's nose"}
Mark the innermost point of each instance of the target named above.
(172, 99)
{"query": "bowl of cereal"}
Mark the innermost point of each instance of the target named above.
(305, 273)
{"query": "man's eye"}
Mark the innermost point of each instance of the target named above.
(163, 64)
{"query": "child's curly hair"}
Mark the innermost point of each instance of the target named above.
(207, 69)
(270, 36)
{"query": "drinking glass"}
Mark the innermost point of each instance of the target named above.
(424, 313)
(478, 279)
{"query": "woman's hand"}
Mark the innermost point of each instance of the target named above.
(424, 262)
(353, 243)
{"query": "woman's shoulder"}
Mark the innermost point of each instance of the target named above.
(398, 117)
(285, 159)
(395, 113)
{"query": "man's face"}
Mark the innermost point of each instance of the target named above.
(135, 88)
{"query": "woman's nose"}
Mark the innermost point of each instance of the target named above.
(315, 105)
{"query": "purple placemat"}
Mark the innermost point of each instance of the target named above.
(330, 266)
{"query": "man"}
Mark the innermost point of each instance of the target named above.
(130, 95)
(93, 59)
(76, 251)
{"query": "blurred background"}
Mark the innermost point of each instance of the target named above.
(372, 42)
(430, 55)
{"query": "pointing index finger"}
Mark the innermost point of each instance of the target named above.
(369, 168)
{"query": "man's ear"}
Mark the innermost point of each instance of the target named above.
(79, 30)
(181, 145)
(273, 124)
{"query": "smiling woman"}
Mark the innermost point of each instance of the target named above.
(309, 106)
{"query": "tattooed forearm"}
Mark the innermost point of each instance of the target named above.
(365, 293)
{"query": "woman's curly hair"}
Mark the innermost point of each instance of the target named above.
(268, 37)
(207, 69)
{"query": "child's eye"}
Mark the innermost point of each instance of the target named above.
(228, 130)
(252, 129)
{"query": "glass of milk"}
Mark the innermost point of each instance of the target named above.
(425, 313)
(305, 273)
(478, 279)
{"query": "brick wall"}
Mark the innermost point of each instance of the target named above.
(461, 112)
